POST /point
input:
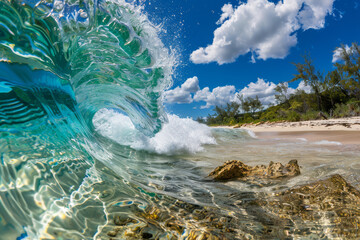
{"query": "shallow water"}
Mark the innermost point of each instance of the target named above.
(317, 159)
(184, 177)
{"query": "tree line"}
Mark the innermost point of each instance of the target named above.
(333, 94)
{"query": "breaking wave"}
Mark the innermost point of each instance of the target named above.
(177, 136)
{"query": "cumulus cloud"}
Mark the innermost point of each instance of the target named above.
(227, 11)
(217, 97)
(263, 28)
(182, 94)
(303, 87)
(313, 13)
(337, 56)
(191, 85)
(264, 90)
(190, 92)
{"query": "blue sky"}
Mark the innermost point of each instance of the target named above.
(314, 26)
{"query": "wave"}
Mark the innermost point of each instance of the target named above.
(251, 133)
(108, 52)
(178, 135)
(60, 63)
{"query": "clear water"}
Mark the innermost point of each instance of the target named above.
(81, 144)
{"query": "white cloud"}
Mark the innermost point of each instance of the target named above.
(190, 92)
(304, 87)
(182, 94)
(217, 97)
(337, 56)
(178, 95)
(264, 90)
(191, 85)
(266, 29)
(314, 12)
(228, 11)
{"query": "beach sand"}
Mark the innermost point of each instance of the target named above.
(342, 130)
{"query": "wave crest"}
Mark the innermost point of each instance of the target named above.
(178, 136)
(108, 51)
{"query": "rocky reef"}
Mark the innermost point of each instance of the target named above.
(327, 209)
(175, 219)
(323, 209)
(238, 170)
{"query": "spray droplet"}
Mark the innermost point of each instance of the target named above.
(83, 14)
(58, 5)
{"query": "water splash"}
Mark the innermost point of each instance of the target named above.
(178, 136)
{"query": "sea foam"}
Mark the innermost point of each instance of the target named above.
(325, 142)
(178, 136)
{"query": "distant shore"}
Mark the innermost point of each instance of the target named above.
(338, 124)
(342, 130)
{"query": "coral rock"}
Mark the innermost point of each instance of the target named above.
(237, 170)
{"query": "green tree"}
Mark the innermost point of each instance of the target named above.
(349, 70)
(249, 104)
(311, 77)
(282, 89)
(244, 105)
(335, 87)
(227, 114)
(255, 105)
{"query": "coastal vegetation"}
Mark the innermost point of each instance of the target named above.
(334, 94)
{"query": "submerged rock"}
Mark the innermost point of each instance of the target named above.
(237, 170)
(174, 219)
(329, 207)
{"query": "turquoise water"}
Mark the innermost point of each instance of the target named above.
(84, 139)
(61, 62)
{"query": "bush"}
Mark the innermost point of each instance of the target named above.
(310, 115)
(268, 115)
(248, 119)
(293, 116)
(231, 121)
(350, 109)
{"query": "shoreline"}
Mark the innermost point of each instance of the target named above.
(337, 124)
(333, 137)
(341, 130)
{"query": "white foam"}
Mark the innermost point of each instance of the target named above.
(251, 133)
(179, 135)
(325, 142)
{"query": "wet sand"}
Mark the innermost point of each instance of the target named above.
(335, 136)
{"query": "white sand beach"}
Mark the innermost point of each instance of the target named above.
(342, 130)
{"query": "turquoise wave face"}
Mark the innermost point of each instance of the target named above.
(60, 63)
(107, 53)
